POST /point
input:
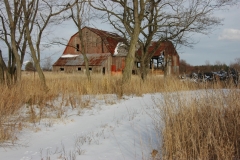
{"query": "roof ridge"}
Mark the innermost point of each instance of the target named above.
(103, 31)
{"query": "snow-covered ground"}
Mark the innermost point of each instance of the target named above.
(122, 129)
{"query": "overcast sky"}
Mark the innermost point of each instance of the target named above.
(222, 45)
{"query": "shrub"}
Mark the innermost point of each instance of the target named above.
(29, 66)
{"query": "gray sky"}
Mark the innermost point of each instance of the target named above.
(222, 45)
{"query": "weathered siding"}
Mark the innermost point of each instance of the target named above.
(93, 43)
(106, 67)
(77, 69)
(119, 63)
(171, 57)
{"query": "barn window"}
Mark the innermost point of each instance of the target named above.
(61, 69)
(77, 47)
(90, 69)
(79, 68)
(103, 70)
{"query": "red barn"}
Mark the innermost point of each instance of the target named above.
(106, 53)
(101, 50)
(165, 57)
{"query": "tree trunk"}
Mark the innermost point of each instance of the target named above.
(5, 75)
(1, 73)
(78, 20)
(1, 69)
(87, 66)
(36, 61)
(144, 70)
(13, 40)
(17, 59)
(166, 65)
(41, 75)
(38, 68)
(10, 70)
(83, 52)
(127, 73)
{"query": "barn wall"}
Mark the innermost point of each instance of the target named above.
(118, 63)
(106, 67)
(77, 69)
(93, 43)
(173, 67)
(71, 48)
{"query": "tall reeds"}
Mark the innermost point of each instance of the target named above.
(200, 124)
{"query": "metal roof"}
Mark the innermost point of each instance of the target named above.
(165, 46)
(110, 39)
(94, 59)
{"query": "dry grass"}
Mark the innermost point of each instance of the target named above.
(30, 98)
(198, 128)
(205, 125)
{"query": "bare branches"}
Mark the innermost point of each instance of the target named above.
(38, 15)
(80, 15)
(161, 20)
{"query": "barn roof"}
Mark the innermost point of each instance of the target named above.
(165, 46)
(109, 38)
(94, 59)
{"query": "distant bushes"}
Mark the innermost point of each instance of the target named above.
(187, 68)
(29, 66)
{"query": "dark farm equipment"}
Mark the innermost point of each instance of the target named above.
(231, 75)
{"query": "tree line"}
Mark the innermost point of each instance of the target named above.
(186, 68)
(24, 25)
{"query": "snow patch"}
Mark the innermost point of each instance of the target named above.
(69, 56)
(120, 50)
(116, 49)
(111, 128)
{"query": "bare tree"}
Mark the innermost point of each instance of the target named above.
(38, 14)
(47, 65)
(23, 23)
(145, 21)
(80, 15)
(1, 68)
(184, 67)
(12, 34)
(127, 17)
(236, 64)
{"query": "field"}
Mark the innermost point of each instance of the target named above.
(183, 120)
